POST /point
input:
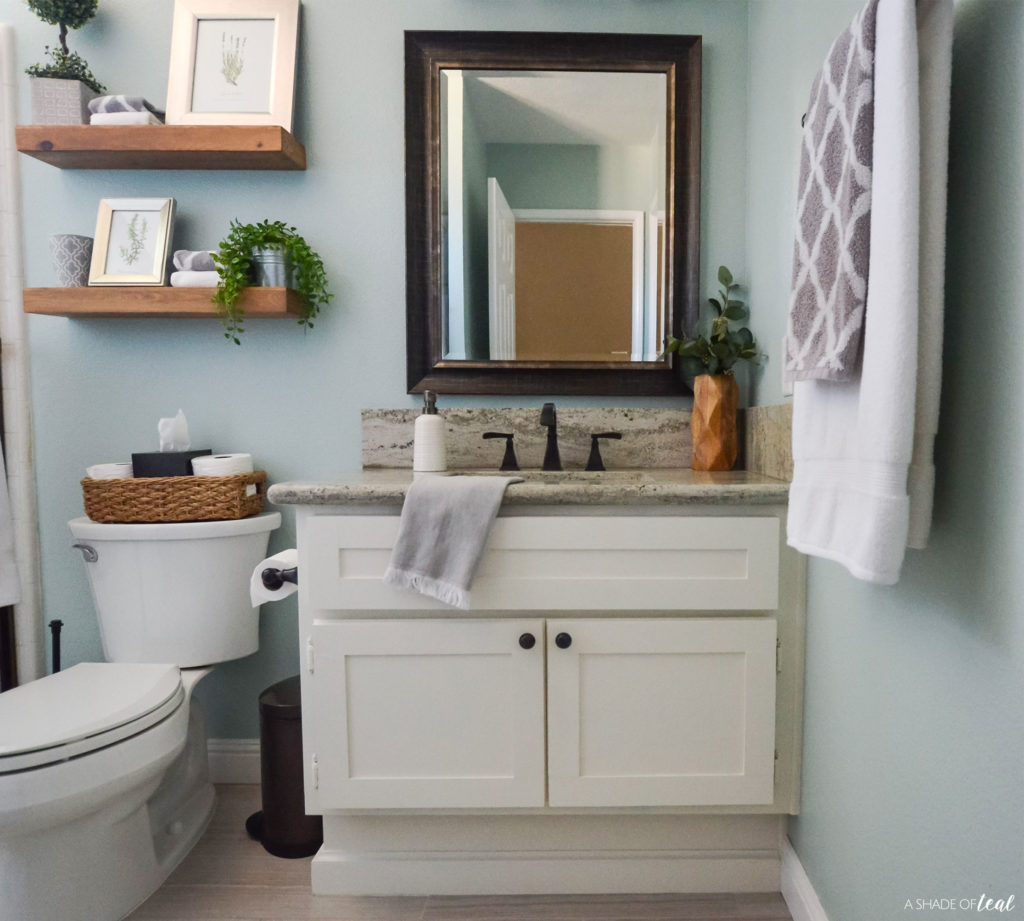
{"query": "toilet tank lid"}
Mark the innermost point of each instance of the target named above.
(85, 700)
(87, 529)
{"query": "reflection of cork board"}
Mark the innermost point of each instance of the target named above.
(574, 291)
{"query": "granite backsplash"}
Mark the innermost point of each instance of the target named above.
(650, 438)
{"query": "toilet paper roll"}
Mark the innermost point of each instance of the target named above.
(117, 471)
(222, 464)
(259, 593)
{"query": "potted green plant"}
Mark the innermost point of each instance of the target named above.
(709, 356)
(63, 87)
(272, 254)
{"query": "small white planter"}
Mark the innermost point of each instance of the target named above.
(72, 256)
(60, 102)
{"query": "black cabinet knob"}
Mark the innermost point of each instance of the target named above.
(527, 640)
(563, 641)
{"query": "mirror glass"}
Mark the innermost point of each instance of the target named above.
(552, 210)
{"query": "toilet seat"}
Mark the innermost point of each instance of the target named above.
(82, 709)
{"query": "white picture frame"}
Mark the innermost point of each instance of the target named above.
(232, 62)
(133, 237)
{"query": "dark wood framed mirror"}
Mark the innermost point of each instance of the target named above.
(552, 187)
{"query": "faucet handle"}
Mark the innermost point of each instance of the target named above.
(508, 462)
(594, 462)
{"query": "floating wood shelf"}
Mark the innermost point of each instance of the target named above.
(206, 147)
(156, 301)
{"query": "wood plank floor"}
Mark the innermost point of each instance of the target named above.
(228, 877)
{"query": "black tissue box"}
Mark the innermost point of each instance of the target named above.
(165, 463)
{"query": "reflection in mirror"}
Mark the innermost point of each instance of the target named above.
(552, 210)
(553, 204)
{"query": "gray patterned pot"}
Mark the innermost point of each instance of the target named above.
(60, 102)
(71, 256)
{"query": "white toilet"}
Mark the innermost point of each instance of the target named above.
(104, 785)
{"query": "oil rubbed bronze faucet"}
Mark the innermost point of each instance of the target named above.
(551, 459)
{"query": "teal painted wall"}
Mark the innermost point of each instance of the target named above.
(291, 399)
(913, 782)
(584, 176)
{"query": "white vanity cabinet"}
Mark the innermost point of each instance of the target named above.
(619, 709)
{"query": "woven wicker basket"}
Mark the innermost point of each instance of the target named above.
(174, 498)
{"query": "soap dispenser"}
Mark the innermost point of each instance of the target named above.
(429, 453)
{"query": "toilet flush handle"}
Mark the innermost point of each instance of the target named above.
(89, 553)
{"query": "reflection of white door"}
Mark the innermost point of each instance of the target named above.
(501, 271)
(654, 312)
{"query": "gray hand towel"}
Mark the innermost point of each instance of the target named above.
(441, 537)
(831, 252)
(194, 260)
(119, 102)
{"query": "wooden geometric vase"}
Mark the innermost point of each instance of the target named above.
(715, 405)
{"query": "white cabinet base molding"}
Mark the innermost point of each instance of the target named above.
(508, 855)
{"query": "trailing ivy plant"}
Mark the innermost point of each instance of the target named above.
(721, 339)
(65, 64)
(234, 259)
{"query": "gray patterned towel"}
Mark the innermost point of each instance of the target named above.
(122, 103)
(194, 260)
(442, 533)
(833, 232)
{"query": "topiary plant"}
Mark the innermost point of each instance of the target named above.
(65, 64)
(721, 339)
(234, 259)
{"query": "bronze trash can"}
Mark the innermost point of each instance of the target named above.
(282, 827)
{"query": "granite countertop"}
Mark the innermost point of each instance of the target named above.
(656, 486)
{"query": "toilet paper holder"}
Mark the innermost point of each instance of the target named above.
(273, 578)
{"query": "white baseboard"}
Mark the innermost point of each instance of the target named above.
(234, 760)
(797, 890)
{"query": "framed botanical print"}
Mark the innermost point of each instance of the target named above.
(132, 240)
(232, 62)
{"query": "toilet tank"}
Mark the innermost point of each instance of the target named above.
(178, 592)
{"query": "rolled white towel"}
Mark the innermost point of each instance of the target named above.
(188, 279)
(194, 260)
(116, 471)
(124, 118)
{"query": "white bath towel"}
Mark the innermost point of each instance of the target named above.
(124, 118)
(853, 441)
(10, 584)
(441, 537)
(189, 279)
(935, 31)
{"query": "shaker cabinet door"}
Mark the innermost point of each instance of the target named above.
(426, 713)
(661, 712)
